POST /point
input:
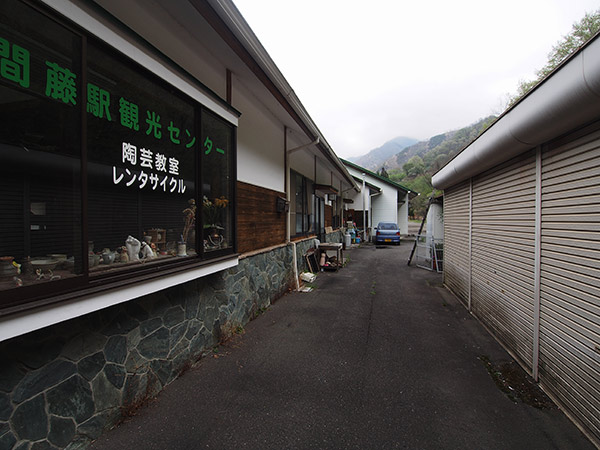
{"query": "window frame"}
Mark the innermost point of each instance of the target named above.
(26, 297)
(307, 212)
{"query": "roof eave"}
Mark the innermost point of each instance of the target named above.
(238, 26)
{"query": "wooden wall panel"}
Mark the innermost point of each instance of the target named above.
(259, 225)
(328, 216)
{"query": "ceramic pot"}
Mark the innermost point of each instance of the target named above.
(108, 257)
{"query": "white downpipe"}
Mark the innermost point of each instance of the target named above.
(371, 209)
(364, 209)
(296, 267)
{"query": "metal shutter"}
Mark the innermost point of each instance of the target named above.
(456, 239)
(503, 256)
(570, 278)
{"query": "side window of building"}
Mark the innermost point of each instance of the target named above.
(301, 204)
(40, 149)
(102, 164)
(142, 156)
(217, 183)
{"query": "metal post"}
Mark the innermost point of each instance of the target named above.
(364, 209)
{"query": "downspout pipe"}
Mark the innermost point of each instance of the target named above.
(364, 209)
(295, 266)
(371, 206)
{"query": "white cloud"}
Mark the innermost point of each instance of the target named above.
(368, 72)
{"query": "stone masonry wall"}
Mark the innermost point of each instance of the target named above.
(61, 386)
(336, 236)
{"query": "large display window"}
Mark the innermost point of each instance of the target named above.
(107, 172)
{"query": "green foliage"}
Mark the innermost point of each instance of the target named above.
(581, 32)
(414, 167)
(417, 171)
(436, 140)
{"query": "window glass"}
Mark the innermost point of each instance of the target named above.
(102, 164)
(40, 145)
(217, 183)
(141, 142)
(309, 210)
(299, 202)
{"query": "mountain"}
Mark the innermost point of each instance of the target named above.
(413, 166)
(375, 159)
(440, 148)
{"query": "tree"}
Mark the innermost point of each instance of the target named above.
(414, 167)
(383, 173)
(581, 32)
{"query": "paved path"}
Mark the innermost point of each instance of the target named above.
(379, 356)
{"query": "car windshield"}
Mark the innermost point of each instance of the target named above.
(388, 226)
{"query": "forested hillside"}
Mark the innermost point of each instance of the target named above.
(378, 156)
(428, 157)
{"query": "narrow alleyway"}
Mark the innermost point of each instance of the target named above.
(378, 356)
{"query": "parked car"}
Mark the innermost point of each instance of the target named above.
(387, 232)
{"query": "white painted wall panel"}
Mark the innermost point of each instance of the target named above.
(385, 206)
(503, 256)
(456, 240)
(260, 152)
(570, 277)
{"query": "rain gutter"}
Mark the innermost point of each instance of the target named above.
(567, 99)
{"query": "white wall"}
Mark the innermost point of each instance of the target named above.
(403, 213)
(435, 221)
(260, 144)
(302, 162)
(385, 205)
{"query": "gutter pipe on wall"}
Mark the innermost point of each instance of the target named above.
(567, 99)
(364, 209)
(296, 266)
(371, 207)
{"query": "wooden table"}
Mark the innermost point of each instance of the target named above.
(339, 249)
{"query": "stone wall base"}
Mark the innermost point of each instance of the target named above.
(62, 386)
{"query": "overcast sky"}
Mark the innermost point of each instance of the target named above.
(367, 72)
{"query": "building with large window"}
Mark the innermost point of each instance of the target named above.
(158, 175)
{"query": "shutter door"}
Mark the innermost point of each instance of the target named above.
(503, 249)
(456, 239)
(570, 278)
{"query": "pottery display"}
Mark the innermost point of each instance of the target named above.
(44, 264)
(133, 248)
(93, 259)
(6, 266)
(147, 252)
(108, 256)
(124, 255)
